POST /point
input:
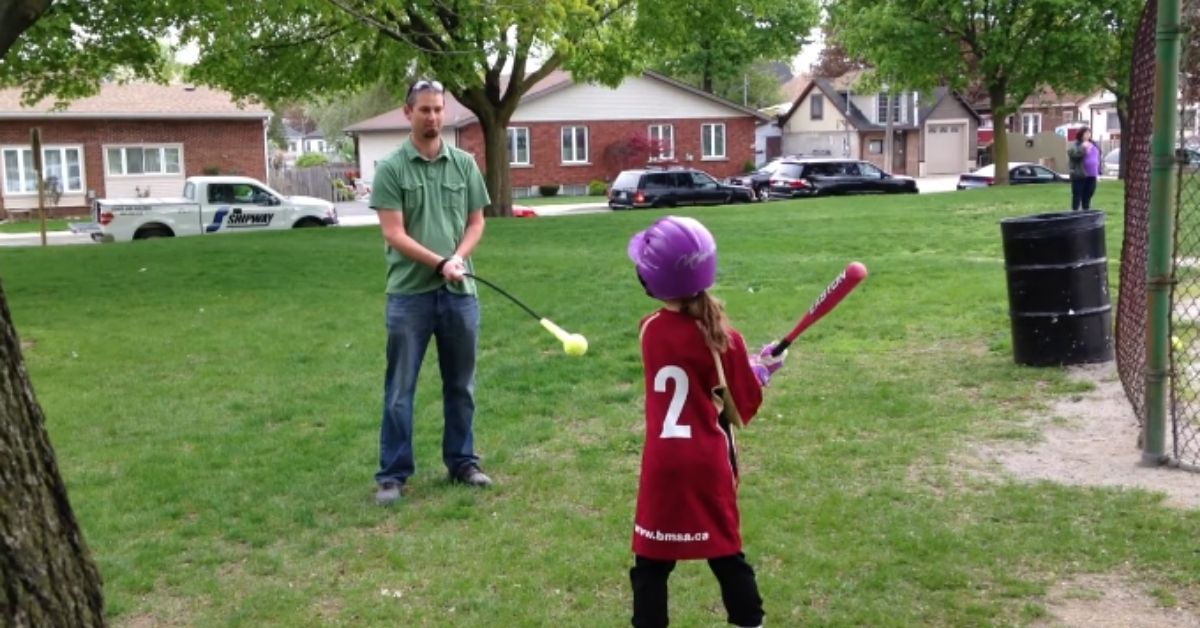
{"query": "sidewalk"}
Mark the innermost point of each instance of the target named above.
(357, 214)
(34, 238)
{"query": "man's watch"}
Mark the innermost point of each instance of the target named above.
(446, 260)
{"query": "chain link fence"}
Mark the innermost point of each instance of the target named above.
(1135, 250)
(1185, 320)
(1185, 292)
(1132, 308)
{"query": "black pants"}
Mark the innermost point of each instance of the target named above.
(739, 590)
(1082, 190)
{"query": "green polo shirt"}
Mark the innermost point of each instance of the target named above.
(436, 195)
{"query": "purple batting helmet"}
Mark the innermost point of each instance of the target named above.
(675, 257)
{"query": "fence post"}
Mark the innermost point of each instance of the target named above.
(1162, 229)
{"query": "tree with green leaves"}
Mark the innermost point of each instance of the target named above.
(65, 48)
(486, 53)
(757, 86)
(1112, 66)
(338, 111)
(1011, 47)
(718, 42)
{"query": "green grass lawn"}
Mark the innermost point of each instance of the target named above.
(215, 401)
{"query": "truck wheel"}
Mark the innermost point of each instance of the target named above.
(153, 231)
(307, 221)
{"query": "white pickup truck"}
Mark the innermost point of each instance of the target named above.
(212, 204)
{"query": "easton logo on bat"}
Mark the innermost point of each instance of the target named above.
(830, 289)
(837, 290)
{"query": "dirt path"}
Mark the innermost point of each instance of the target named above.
(1091, 440)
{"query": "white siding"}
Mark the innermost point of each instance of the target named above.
(167, 185)
(637, 98)
(31, 201)
(373, 146)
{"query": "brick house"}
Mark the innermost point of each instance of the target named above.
(136, 139)
(562, 131)
(932, 133)
(1043, 111)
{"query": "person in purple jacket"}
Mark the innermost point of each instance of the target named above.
(1084, 158)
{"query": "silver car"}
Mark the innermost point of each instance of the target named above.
(1112, 163)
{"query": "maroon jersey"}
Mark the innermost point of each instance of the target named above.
(687, 495)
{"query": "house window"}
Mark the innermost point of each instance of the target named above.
(816, 107)
(1112, 122)
(881, 109)
(293, 147)
(1188, 123)
(518, 146)
(143, 160)
(985, 122)
(1031, 123)
(61, 165)
(712, 141)
(664, 134)
(574, 144)
(875, 147)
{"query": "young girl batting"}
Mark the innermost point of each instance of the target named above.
(700, 382)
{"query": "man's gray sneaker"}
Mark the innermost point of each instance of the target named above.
(388, 493)
(471, 475)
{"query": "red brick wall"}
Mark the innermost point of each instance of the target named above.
(233, 146)
(546, 165)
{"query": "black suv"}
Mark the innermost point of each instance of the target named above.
(668, 187)
(794, 178)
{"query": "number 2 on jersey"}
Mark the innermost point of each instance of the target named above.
(671, 427)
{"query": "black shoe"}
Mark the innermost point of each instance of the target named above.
(471, 475)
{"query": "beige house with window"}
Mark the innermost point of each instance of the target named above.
(932, 134)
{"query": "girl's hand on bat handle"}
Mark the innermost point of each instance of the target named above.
(765, 364)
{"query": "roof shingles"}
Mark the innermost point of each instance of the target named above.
(137, 100)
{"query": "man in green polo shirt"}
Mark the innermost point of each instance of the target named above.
(429, 197)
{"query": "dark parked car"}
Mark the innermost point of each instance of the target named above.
(669, 187)
(1018, 174)
(760, 180)
(795, 178)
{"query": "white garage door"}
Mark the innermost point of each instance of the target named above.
(945, 148)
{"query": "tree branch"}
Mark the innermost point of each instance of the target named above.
(16, 17)
(311, 39)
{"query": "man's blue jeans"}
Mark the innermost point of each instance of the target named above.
(453, 320)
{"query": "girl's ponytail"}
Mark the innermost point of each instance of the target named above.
(711, 314)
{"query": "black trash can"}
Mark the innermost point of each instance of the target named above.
(1058, 301)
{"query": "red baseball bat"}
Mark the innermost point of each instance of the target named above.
(849, 278)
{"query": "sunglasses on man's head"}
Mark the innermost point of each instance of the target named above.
(423, 85)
